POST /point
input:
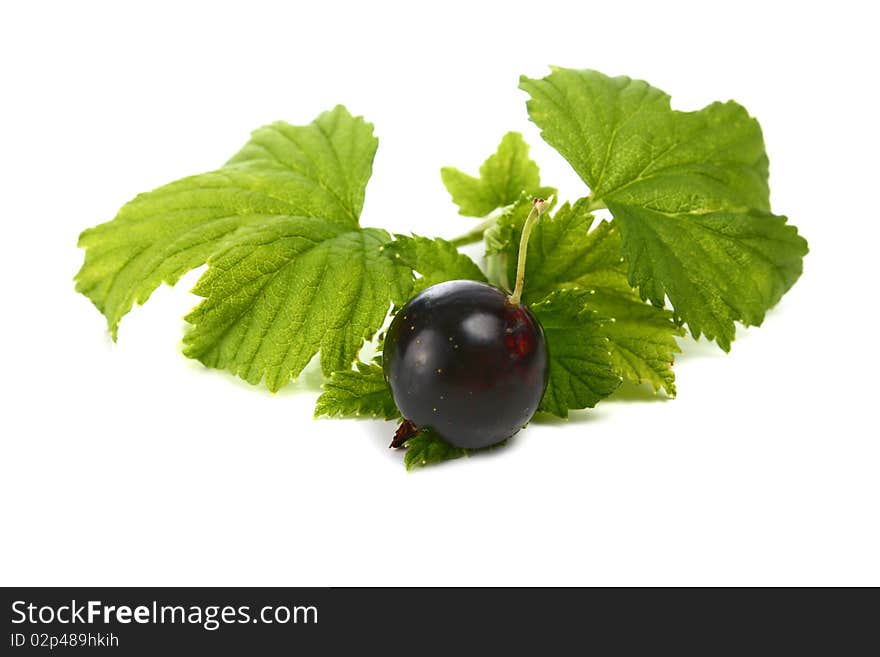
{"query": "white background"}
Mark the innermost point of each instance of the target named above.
(129, 464)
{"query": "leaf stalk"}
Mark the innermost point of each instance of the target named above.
(476, 234)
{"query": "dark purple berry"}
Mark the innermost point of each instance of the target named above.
(465, 362)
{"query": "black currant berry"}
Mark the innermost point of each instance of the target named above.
(464, 361)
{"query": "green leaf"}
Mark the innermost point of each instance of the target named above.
(284, 289)
(318, 171)
(359, 392)
(622, 137)
(503, 178)
(641, 338)
(291, 272)
(714, 267)
(688, 191)
(567, 252)
(582, 368)
(427, 448)
(435, 259)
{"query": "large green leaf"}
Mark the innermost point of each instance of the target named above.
(291, 272)
(319, 170)
(687, 189)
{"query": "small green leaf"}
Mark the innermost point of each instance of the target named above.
(435, 259)
(688, 191)
(582, 369)
(503, 178)
(358, 392)
(567, 252)
(427, 448)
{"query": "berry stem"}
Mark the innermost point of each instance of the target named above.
(404, 432)
(539, 207)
